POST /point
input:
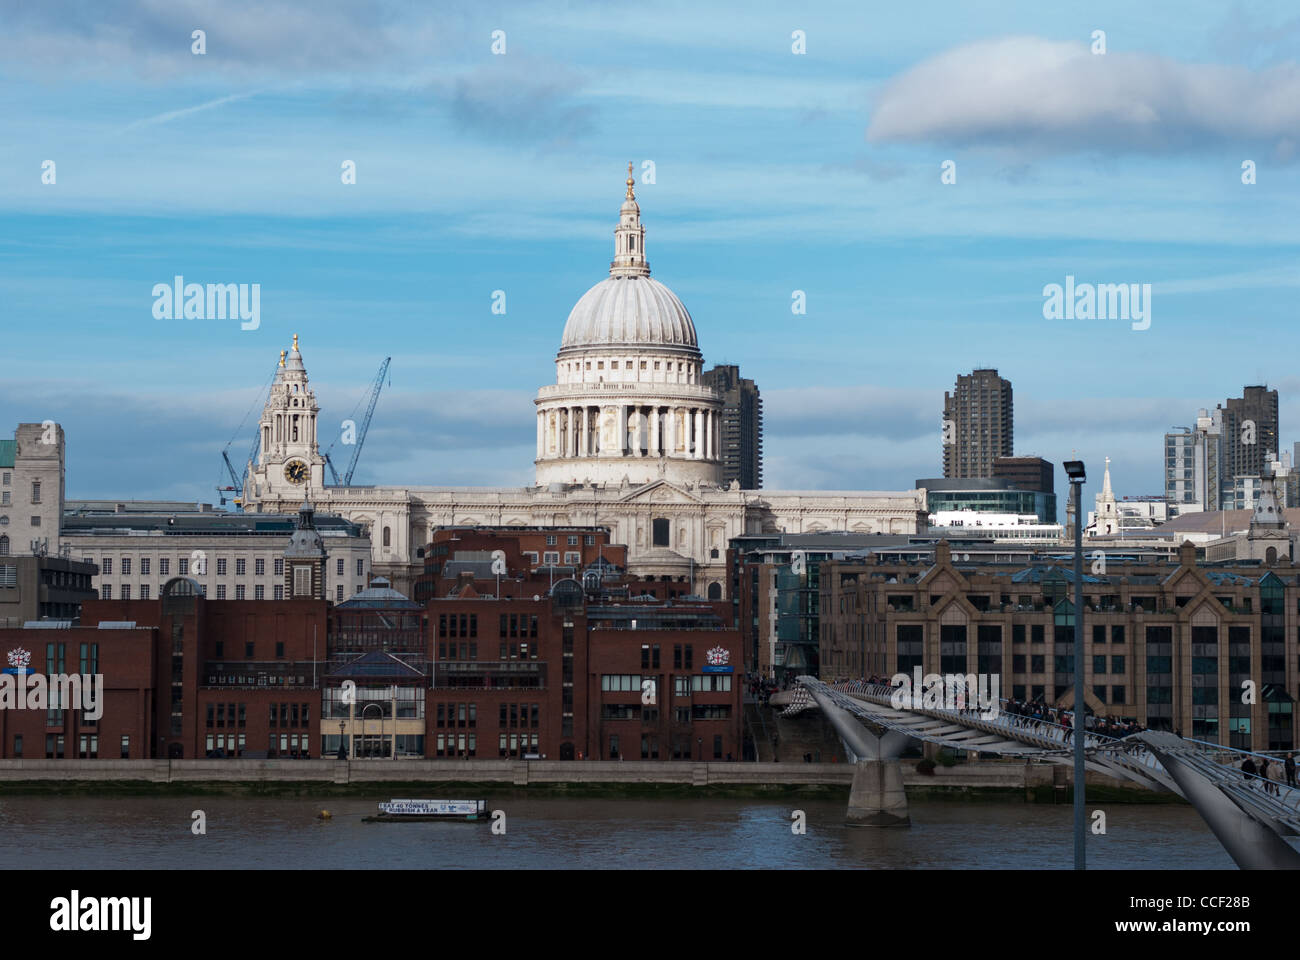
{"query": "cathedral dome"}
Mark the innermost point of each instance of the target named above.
(629, 311)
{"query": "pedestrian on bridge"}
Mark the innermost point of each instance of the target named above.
(1289, 768)
(1248, 769)
(1275, 777)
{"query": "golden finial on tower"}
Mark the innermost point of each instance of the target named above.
(295, 343)
(282, 353)
(630, 181)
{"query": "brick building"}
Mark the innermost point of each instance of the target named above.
(1169, 643)
(467, 675)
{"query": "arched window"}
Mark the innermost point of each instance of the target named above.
(388, 536)
(4, 546)
(715, 591)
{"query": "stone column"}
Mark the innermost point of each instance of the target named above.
(622, 429)
(687, 425)
(708, 432)
(573, 432)
(699, 434)
(638, 425)
(585, 435)
(539, 434)
(654, 432)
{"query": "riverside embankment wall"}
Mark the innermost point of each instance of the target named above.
(1001, 776)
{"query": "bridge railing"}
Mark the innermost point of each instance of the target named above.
(1054, 733)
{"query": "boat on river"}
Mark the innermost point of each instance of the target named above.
(412, 811)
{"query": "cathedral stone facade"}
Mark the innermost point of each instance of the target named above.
(627, 438)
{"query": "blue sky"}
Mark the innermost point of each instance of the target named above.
(774, 172)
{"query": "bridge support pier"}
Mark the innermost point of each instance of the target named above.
(877, 798)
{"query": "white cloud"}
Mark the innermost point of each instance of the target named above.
(1056, 97)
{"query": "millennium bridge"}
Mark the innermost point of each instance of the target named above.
(1256, 820)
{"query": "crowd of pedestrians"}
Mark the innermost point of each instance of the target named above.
(1269, 773)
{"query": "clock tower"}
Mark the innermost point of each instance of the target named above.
(289, 464)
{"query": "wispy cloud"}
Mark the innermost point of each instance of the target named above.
(171, 115)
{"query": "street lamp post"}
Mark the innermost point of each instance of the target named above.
(1075, 471)
(343, 754)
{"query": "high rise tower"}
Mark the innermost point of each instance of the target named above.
(978, 425)
(1250, 438)
(742, 426)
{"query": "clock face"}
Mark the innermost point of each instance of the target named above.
(295, 471)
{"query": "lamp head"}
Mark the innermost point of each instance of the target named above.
(1075, 471)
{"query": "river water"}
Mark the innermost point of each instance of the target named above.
(549, 832)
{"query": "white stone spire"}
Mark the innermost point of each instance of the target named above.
(1107, 512)
(629, 238)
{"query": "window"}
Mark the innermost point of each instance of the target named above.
(107, 566)
(241, 566)
(221, 567)
(550, 540)
(126, 591)
(259, 567)
(221, 591)
(182, 566)
(279, 566)
(551, 557)
(164, 566)
(239, 591)
(144, 591)
(660, 527)
(259, 592)
(279, 591)
(144, 567)
(388, 536)
(339, 567)
(338, 592)
(361, 567)
(36, 491)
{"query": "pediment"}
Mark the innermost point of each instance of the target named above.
(660, 491)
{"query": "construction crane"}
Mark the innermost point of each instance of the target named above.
(237, 478)
(376, 386)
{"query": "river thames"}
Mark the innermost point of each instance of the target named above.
(566, 833)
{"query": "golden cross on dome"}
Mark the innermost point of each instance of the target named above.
(282, 353)
(630, 181)
(295, 341)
